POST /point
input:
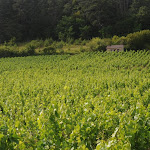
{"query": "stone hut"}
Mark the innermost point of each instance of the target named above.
(115, 48)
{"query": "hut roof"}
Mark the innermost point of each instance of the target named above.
(115, 46)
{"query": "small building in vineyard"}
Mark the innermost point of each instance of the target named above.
(115, 48)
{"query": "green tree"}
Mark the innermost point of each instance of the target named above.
(9, 26)
(141, 11)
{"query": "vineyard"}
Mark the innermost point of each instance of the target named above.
(88, 101)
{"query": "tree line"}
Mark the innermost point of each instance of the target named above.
(71, 19)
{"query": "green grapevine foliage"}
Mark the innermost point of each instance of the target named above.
(88, 101)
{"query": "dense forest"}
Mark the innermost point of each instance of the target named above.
(71, 19)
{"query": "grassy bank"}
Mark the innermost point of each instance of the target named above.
(134, 41)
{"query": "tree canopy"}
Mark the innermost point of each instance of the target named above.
(63, 19)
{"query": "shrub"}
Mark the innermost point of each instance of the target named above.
(59, 45)
(82, 49)
(97, 44)
(83, 42)
(30, 50)
(54, 44)
(70, 40)
(48, 42)
(36, 43)
(78, 41)
(7, 51)
(138, 40)
(11, 42)
(61, 51)
(49, 50)
(116, 40)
